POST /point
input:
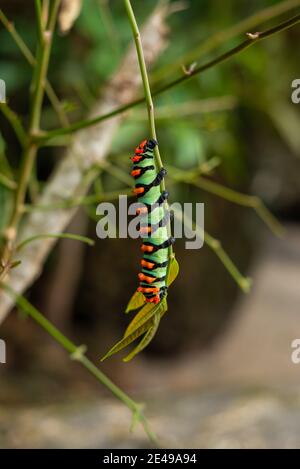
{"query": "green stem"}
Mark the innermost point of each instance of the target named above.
(232, 52)
(246, 200)
(190, 108)
(54, 100)
(148, 98)
(222, 58)
(15, 122)
(78, 353)
(42, 67)
(116, 172)
(30, 150)
(7, 182)
(75, 237)
(220, 37)
(144, 76)
(81, 201)
(215, 245)
(38, 8)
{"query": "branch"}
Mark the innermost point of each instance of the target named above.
(89, 147)
(222, 58)
(149, 103)
(30, 149)
(78, 353)
(190, 108)
(215, 245)
(219, 38)
(32, 61)
(15, 122)
(246, 200)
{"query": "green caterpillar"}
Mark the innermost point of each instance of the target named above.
(154, 221)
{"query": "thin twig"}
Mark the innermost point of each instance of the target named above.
(15, 122)
(77, 202)
(190, 108)
(72, 236)
(44, 136)
(30, 150)
(215, 245)
(246, 200)
(26, 52)
(78, 353)
(219, 38)
(7, 182)
(148, 98)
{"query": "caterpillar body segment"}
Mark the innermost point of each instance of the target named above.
(153, 223)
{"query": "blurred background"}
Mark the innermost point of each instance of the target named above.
(219, 371)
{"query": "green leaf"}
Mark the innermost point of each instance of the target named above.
(146, 314)
(139, 316)
(136, 301)
(146, 339)
(125, 341)
(139, 327)
(173, 271)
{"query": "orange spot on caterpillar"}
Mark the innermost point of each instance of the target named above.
(145, 229)
(141, 210)
(148, 265)
(155, 299)
(141, 147)
(148, 289)
(138, 190)
(135, 172)
(145, 278)
(135, 158)
(145, 248)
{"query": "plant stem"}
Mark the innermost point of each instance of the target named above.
(15, 122)
(144, 76)
(78, 353)
(44, 136)
(246, 200)
(232, 52)
(30, 150)
(80, 201)
(215, 245)
(73, 236)
(220, 37)
(32, 61)
(148, 98)
(40, 27)
(191, 108)
(7, 182)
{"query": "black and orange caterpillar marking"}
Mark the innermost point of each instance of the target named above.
(154, 221)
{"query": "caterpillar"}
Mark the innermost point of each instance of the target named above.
(153, 223)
